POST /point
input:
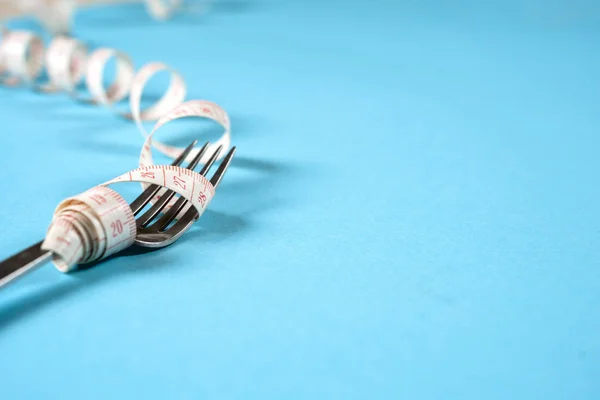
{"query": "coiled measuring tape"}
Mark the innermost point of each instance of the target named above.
(57, 15)
(99, 222)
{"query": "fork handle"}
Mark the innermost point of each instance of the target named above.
(22, 262)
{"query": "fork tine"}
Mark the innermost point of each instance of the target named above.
(191, 214)
(211, 161)
(184, 153)
(149, 215)
(198, 156)
(216, 178)
(149, 237)
(140, 202)
(170, 215)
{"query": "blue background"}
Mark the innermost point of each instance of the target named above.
(412, 212)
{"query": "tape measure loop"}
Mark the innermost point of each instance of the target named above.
(96, 66)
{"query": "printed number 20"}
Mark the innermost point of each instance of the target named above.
(117, 228)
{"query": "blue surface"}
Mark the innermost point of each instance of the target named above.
(413, 211)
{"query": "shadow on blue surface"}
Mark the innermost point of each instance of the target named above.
(214, 226)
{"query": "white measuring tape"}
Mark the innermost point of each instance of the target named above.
(57, 15)
(99, 222)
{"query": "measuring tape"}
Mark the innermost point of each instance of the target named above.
(57, 15)
(99, 222)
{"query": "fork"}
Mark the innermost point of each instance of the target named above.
(149, 234)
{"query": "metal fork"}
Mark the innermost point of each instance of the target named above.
(156, 235)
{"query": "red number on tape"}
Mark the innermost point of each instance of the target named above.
(179, 182)
(117, 228)
(99, 199)
(202, 199)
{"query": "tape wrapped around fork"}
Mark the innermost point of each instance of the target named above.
(88, 227)
(98, 222)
